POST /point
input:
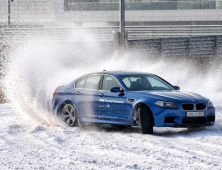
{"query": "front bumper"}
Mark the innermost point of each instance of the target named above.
(177, 118)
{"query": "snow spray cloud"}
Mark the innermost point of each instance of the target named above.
(37, 66)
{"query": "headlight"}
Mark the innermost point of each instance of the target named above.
(210, 103)
(165, 104)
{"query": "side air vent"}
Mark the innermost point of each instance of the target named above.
(131, 100)
(210, 118)
(169, 120)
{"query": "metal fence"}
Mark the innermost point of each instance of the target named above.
(169, 31)
(180, 47)
(105, 33)
(56, 34)
(157, 40)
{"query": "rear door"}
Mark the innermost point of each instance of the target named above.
(86, 97)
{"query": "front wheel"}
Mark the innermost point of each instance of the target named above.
(145, 120)
(69, 115)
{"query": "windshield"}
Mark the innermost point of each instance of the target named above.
(145, 82)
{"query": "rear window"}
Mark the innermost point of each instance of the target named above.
(92, 82)
(80, 83)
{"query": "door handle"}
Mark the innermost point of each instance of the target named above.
(100, 94)
(77, 93)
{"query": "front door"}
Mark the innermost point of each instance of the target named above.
(112, 104)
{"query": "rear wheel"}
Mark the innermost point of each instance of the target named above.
(69, 115)
(145, 120)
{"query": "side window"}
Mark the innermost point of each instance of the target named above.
(92, 82)
(109, 82)
(80, 83)
(127, 82)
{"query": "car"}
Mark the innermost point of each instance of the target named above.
(131, 99)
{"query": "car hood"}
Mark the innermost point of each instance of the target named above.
(173, 95)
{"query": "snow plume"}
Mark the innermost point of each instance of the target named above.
(37, 66)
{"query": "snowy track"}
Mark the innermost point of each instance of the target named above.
(26, 145)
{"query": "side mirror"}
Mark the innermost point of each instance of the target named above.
(116, 89)
(177, 87)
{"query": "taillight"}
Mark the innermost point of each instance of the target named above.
(54, 93)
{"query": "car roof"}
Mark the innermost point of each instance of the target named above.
(121, 73)
(114, 73)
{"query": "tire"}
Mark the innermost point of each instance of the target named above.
(145, 120)
(69, 115)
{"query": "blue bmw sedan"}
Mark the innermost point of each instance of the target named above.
(131, 99)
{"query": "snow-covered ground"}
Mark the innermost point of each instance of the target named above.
(27, 145)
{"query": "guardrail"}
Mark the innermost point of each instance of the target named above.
(173, 31)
